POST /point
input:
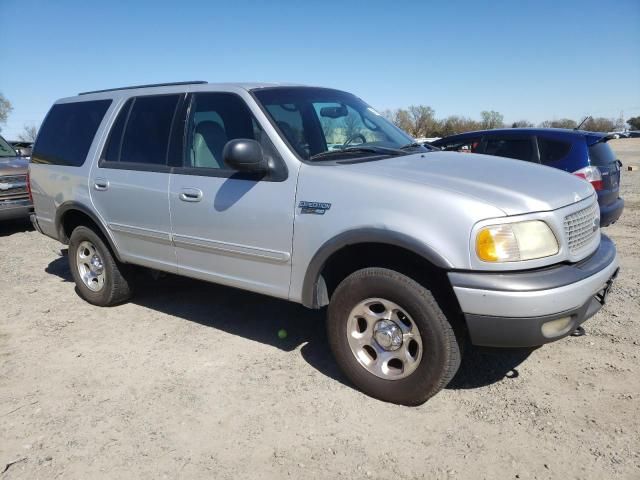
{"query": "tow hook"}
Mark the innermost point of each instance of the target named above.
(578, 332)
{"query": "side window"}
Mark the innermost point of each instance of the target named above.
(518, 148)
(140, 134)
(552, 150)
(68, 131)
(468, 145)
(215, 119)
(288, 117)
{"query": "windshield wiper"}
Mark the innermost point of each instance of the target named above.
(372, 149)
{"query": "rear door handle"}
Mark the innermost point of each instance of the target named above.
(191, 195)
(101, 184)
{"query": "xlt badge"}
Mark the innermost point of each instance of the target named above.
(315, 208)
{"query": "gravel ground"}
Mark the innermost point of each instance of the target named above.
(190, 380)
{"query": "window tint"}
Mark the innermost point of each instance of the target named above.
(6, 150)
(112, 152)
(68, 131)
(146, 130)
(601, 154)
(552, 150)
(519, 148)
(468, 145)
(215, 119)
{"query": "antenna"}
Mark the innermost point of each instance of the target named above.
(583, 122)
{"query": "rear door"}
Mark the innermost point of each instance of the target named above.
(129, 186)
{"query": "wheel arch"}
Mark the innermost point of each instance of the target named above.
(316, 288)
(72, 214)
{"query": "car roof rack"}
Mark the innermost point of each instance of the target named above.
(195, 82)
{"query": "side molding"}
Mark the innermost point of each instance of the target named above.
(314, 290)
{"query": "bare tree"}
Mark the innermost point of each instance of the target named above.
(28, 134)
(5, 109)
(351, 126)
(455, 124)
(423, 121)
(561, 123)
(634, 123)
(599, 124)
(491, 119)
(521, 124)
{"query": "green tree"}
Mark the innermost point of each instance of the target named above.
(491, 119)
(456, 124)
(634, 123)
(5, 110)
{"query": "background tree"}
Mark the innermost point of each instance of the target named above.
(5, 110)
(28, 133)
(562, 123)
(491, 119)
(521, 124)
(423, 121)
(599, 124)
(634, 123)
(456, 124)
(351, 126)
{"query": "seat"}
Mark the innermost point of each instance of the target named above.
(209, 140)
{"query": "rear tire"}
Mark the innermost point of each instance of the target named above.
(386, 359)
(100, 279)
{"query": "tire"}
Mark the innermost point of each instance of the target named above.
(426, 368)
(116, 284)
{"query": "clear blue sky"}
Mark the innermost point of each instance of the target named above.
(529, 60)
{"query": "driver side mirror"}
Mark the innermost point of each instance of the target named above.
(245, 155)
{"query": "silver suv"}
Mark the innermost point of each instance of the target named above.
(309, 194)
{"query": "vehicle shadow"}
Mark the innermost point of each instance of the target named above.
(9, 227)
(262, 319)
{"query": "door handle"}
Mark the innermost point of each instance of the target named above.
(101, 184)
(191, 195)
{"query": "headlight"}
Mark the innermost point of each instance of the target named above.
(513, 242)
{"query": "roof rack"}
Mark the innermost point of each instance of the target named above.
(195, 82)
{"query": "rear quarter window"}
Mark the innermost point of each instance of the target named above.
(552, 150)
(601, 154)
(68, 131)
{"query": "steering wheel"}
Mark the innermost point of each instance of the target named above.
(352, 138)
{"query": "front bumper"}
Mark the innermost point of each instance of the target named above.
(510, 309)
(10, 209)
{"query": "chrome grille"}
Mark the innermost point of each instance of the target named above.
(580, 227)
(13, 185)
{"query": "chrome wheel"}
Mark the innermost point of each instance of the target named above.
(90, 266)
(384, 339)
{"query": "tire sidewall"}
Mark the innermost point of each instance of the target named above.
(102, 296)
(418, 303)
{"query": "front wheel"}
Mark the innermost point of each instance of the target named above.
(390, 337)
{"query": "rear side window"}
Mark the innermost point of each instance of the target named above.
(601, 154)
(519, 148)
(140, 134)
(68, 131)
(552, 150)
(467, 145)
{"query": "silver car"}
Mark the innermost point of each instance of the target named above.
(309, 194)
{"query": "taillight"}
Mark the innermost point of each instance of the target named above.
(29, 186)
(592, 175)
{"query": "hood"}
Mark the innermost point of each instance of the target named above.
(13, 165)
(514, 186)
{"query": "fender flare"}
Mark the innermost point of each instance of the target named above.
(72, 205)
(314, 290)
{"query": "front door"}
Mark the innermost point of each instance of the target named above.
(231, 228)
(129, 186)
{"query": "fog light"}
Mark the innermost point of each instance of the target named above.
(557, 327)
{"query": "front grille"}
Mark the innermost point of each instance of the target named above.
(13, 186)
(580, 227)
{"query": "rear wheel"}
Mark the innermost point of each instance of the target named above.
(390, 337)
(100, 279)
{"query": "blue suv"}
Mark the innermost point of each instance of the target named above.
(585, 154)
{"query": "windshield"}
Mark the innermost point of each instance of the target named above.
(6, 150)
(320, 123)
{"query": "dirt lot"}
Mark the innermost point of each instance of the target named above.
(190, 380)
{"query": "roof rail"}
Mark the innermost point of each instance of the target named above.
(195, 82)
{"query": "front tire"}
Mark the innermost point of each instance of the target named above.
(390, 337)
(100, 279)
